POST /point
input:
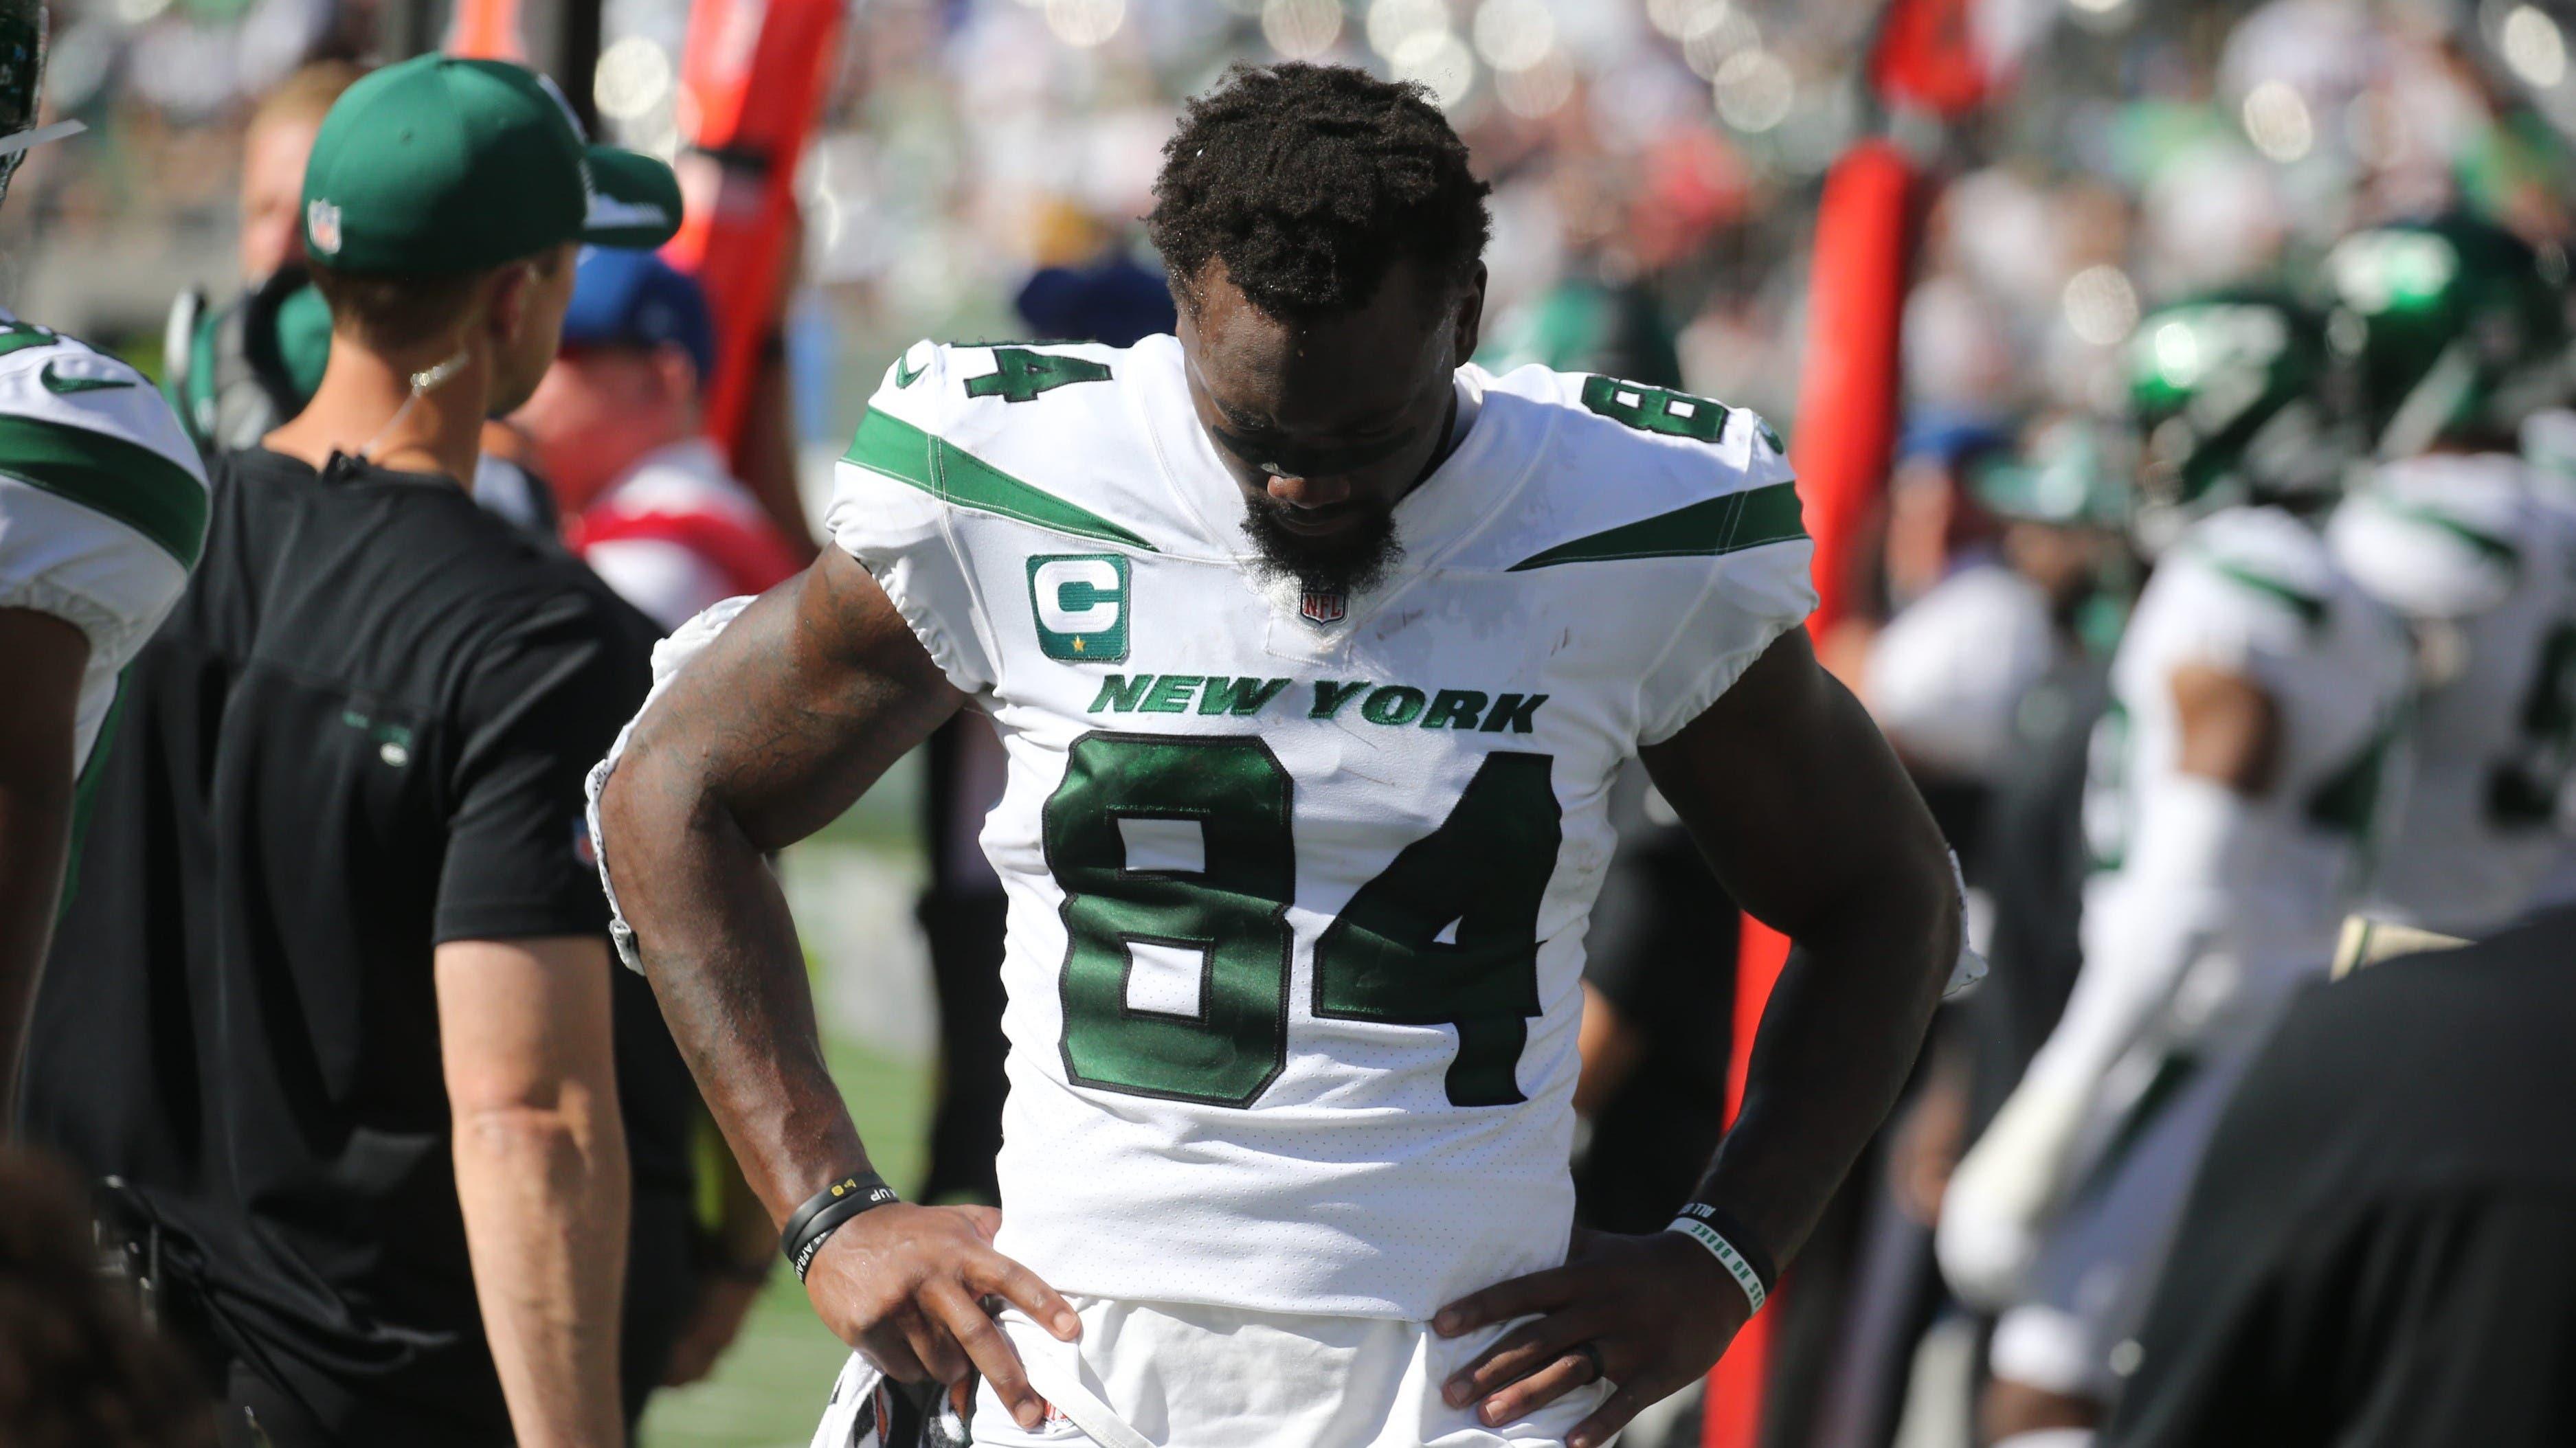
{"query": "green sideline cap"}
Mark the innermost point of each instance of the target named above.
(442, 165)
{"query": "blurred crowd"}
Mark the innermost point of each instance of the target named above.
(1675, 144)
(2167, 326)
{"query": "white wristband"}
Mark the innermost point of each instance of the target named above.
(1727, 1257)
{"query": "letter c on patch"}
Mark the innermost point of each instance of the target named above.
(1077, 595)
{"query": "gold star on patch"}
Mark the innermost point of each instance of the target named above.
(1077, 643)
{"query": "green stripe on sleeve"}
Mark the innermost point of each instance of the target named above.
(898, 450)
(1730, 524)
(127, 481)
(2486, 545)
(2310, 608)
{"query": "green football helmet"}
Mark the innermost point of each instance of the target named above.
(2068, 470)
(2452, 330)
(2227, 403)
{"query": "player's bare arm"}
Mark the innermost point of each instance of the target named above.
(2230, 728)
(46, 656)
(766, 737)
(530, 1064)
(1807, 817)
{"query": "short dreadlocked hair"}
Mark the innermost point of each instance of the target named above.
(1310, 182)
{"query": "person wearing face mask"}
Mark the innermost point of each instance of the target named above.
(332, 1014)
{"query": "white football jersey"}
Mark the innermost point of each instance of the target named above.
(2254, 592)
(1947, 675)
(1298, 884)
(2549, 446)
(2479, 558)
(102, 502)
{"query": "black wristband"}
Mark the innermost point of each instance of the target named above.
(1745, 1243)
(825, 1211)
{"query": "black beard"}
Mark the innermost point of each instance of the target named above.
(1350, 563)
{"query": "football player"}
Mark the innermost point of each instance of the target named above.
(102, 511)
(1315, 650)
(2454, 332)
(2236, 779)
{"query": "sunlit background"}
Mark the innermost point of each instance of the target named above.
(1656, 168)
(1679, 142)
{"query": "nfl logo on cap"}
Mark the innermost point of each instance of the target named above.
(322, 226)
(1319, 606)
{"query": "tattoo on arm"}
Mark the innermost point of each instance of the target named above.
(785, 719)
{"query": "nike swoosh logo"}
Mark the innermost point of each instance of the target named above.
(903, 372)
(56, 382)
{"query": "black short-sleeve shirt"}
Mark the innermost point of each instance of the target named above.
(2380, 1250)
(361, 733)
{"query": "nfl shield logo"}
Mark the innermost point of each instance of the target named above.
(322, 226)
(1321, 607)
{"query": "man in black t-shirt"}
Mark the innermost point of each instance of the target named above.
(2380, 1251)
(334, 1004)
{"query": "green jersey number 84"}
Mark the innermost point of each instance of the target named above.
(1447, 934)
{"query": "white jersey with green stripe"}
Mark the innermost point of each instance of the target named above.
(1297, 883)
(2479, 555)
(102, 502)
(2254, 592)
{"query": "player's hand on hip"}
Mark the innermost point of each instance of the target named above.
(905, 1285)
(1651, 1314)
